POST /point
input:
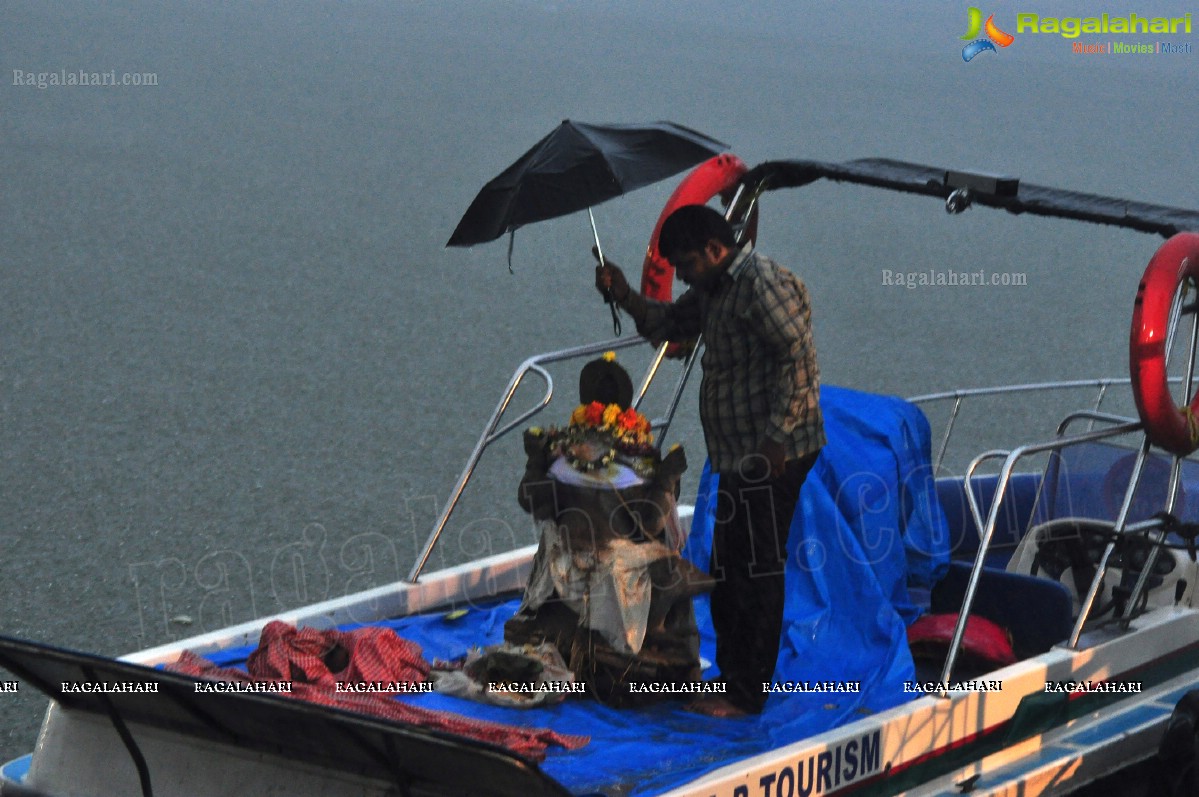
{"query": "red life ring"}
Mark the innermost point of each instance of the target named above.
(931, 635)
(1176, 430)
(718, 175)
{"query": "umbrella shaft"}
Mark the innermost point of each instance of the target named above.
(607, 294)
(595, 234)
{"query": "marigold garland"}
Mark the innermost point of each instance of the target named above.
(599, 434)
(627, 426)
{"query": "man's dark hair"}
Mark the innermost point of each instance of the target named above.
(690, 228)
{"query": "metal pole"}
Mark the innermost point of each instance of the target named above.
(493, 431)
(1134, 481)
(650, 373)
(984, 543)
(1151, 559)
(1175, 469)
(607, 294)
(484, 440)
(678, 389)
(953, 416)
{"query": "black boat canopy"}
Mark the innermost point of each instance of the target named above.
(961, 188)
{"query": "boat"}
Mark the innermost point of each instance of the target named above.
(1076, 543)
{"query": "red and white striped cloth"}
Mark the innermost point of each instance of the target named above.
(374, 655)
(305, 655)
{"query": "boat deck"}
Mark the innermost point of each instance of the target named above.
(645, 750)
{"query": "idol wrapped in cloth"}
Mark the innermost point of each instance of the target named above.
(609, 587)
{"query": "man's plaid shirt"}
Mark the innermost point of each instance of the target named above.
(760, 373)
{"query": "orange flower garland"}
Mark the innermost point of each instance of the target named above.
(599, 433)
(628, 427)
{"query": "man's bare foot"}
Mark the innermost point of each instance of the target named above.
(717, 706)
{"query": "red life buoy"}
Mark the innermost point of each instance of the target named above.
(931, 635)
(1176, 430)
(718, 175)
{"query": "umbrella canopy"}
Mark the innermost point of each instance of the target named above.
(577, 166)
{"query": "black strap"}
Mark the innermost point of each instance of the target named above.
(615, 315)
(139, 761)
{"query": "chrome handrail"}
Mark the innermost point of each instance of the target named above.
(988, 529)
(1092, 416)
(959, 396)
(1088, 415)
(1119, 527)
(688, 367)
(493, 431)
(1103, 383)
(1175, 469)
(1119, 425)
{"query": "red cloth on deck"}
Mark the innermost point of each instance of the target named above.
(375, 654)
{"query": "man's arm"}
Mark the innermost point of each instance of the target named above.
(656, 321)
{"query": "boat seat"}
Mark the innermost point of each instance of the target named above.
(1037, 612)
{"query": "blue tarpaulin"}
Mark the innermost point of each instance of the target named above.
(868, 524)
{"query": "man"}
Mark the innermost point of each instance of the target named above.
(760, 410)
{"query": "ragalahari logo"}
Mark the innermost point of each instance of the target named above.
(994, 36)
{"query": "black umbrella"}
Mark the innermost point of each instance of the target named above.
(577, 166)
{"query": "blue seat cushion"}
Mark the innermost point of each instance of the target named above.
(1037, 612)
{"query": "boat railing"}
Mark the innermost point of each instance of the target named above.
(1113, 426)
(959, 397)
(536, 366)
(987, 526)
(1117, 426)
